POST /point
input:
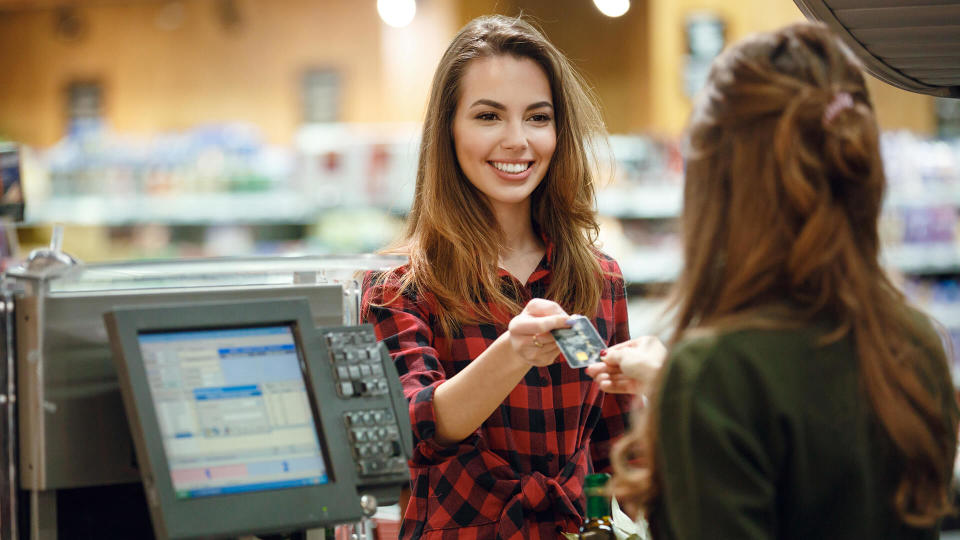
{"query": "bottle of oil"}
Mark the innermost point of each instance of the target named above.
(598, 525)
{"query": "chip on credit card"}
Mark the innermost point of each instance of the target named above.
(580, 344)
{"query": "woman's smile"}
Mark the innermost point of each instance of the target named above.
(513, 170)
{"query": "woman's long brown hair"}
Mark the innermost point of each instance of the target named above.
(781, 203)
(452, 238)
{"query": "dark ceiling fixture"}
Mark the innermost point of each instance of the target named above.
(911, 44)
(228, 12)
(68, 24)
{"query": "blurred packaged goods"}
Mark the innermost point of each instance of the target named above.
(919, 224)
(339, 188)
(224, 174)
(358, 165)
(221, 190)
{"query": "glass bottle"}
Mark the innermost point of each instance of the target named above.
(598, 525)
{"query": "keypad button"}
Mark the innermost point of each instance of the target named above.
(365, 370)
(346, 389)
(376, 370)
(354, 372)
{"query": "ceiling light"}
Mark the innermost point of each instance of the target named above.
(397, 13)
(612, 8)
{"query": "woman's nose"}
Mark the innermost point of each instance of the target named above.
(514, 136)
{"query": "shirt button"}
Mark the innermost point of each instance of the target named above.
(544, 381)
(550, 456)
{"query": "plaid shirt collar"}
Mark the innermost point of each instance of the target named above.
(543, 268)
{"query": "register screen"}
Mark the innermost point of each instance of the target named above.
(233, 410)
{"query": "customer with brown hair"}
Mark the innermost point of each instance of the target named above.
(501, 248)
(802, 397)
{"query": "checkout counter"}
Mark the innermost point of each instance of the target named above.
(206, 398)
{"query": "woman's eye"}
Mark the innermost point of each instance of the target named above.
(487, 117)
(540, 117)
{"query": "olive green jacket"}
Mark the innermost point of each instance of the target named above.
(763, 434)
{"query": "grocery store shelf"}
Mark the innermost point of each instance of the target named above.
(929, 196)
(659, 201)
(642, 201)
(651, 265)
(649, 316)
(646, 201)
(663, 265)
(666, 200)
(946, 314)
(919, 259)
(207, 209)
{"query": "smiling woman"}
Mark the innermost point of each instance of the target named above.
(503, 131)
(501, 246)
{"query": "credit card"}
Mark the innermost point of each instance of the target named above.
(580, 344)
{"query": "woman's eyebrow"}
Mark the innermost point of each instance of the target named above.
(500, 106)
(490, 103)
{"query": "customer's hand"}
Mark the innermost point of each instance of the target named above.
(629, 367)
(530, 335)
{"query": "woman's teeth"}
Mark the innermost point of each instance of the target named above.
(512, 168)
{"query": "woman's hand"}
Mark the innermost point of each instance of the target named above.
(629, 367)
(530, 335)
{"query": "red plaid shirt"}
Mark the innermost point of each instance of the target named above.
(520, 475)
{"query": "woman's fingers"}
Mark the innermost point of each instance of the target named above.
(600, 367)
(629, 366)
(611, 379)
(530, 325)
(540, 307)
(617, 383)
(643, 361)
(531, 338)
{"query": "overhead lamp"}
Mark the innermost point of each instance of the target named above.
(612, 8)
(397, 13)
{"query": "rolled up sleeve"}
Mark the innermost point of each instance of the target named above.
(403, 325)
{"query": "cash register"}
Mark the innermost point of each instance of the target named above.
(212, 398)
(242, 423)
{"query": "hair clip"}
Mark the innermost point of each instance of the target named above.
(841, 101)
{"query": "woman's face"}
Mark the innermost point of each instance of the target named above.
(503, 129)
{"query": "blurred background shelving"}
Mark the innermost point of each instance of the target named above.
(340, 191)
(182, 128)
